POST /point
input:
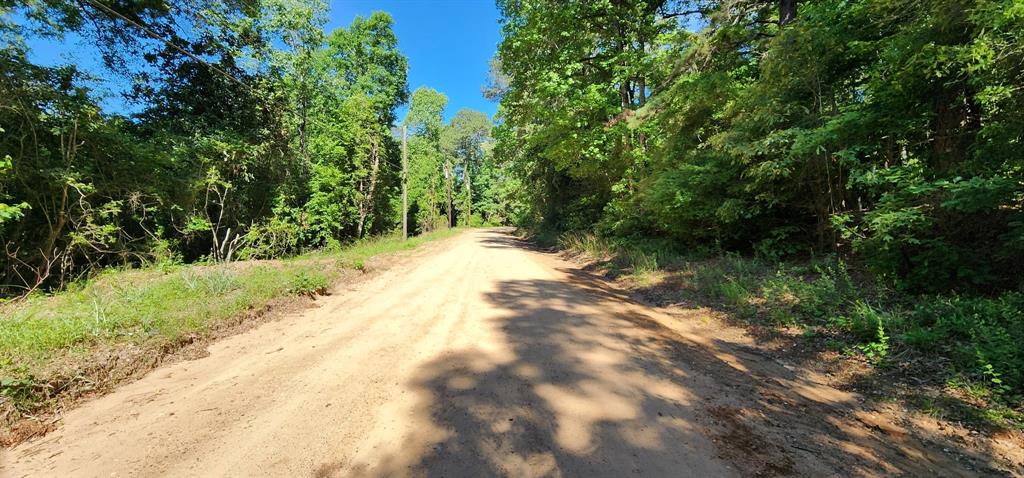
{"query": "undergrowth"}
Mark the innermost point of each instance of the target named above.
(972, 343)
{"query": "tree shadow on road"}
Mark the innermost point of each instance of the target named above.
(590, 384)
(508, 241)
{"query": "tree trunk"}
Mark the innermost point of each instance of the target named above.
(448, 173)
(469, 196)
(405, 184)
(954, 124)
(627, 142)
(367, 203)
(303, 118)
(641, 87)
(787, 11)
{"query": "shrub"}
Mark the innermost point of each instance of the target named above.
(639, 261)
(309, 283)
(274, 238)
(868, 325)
(985, 335)
(587, 244)
(818, 297)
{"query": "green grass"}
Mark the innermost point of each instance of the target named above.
(138, 306)
(155, 308)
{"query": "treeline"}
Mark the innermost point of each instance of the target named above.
(253, 133)
(887, 131)
(858, 164)
(453, 178)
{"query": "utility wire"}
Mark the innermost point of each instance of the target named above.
(111, 12)
(394, 166)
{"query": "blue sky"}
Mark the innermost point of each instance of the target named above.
(448, 43)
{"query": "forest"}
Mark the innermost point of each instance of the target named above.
(855, 164)
(852, 168)
(257, 135)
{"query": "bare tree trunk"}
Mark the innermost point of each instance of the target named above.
(625, 97)
(627, 142)
(367, 203)
(448, 175)
(302, 132)
(787, 11)
(405, 184)
(48, 252)
(469, 196)
(217, 249)
(954, 124)
(303, 118)
(642, 97)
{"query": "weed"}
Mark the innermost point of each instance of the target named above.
(641, 262)
(309, 283)
(590, 245)
(734, 294)
(219, 281)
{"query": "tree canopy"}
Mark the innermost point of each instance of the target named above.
(881, 129)
(256, 134)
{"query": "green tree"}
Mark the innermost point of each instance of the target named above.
(429, 171)
(353, 154)
(366, 58)
(463, 139)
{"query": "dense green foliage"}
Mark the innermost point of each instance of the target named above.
(884, 132)
(252, 133)
(452, 175)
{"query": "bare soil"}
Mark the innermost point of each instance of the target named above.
(485, 357)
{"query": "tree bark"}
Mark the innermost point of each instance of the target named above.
(448, 173)
(787, 11)
(367, 204)
(469, 196)
(405, 183)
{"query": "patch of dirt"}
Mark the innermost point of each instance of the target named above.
(744, 447)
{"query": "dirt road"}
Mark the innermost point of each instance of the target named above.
(478, 357)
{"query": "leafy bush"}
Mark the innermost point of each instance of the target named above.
(276, 237)
(733, 293)
(309, 283)
(868, 325)
(816, 298)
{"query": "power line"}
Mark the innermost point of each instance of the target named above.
(155, 36)
(394, 167)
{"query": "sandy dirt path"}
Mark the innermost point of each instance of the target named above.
(479, 358)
